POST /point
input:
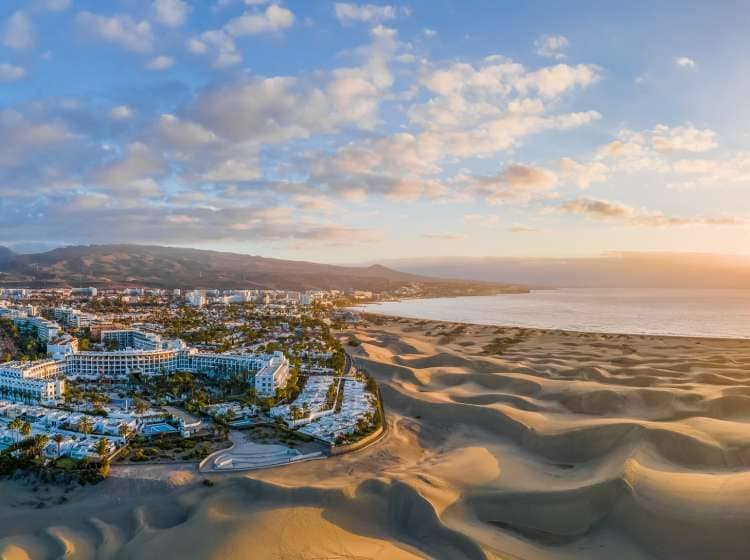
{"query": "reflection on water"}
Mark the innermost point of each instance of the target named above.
(712, 313)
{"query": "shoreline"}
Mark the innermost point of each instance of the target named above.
(558, 331)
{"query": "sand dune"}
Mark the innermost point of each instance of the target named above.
(503, 443)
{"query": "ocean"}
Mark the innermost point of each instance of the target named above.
(675, 312)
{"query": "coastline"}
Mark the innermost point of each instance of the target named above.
(502, 443)
(561, 331)
(672, 313)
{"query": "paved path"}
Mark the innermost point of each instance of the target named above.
(248, 455)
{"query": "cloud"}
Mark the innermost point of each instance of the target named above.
(19, 32)
(619, 148)
(684, 62)
(522, 229)
(133, 174)
(120, 29)
(515, 182)
(474, 110)
(617, 211)
(652, 149)
(732, 169)
(596, 208)
(160, 63)
(583, 174)
(367, 13)
(11, 73)
(466, 95)
(219, 44)
(121, 112)
(551, 46)
(172, 13)
(555, 80)
(31, 138)
(682, 139)
(273, 18)
(177, 225)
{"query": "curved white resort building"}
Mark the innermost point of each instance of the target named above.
(138, 352)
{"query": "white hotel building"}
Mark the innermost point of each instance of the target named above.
(42, 380)
(137, 352)
(45, 330)
(148, 354)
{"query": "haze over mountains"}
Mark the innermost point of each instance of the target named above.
(616, 270)
(143, 265)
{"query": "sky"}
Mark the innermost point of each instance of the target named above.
(352, 132)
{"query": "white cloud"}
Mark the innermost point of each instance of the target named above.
(682, 139)
(552, 81)
(19, 32)
(11, 73)
(684, 62)
(171, 13)
(649, 149)
(134, 174)
(583, 174)
(219, 44)
(120, 29)
(551, 46)
(515, 182)
(617, 211)
(30, 138)
(367, 13)
(160, 63)
(196, 46)
(719, 171)
(274, 18)
(121, 113)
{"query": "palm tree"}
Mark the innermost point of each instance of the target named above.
(26, 429)
(40, 442)
(141, 406)
(123, 430)
(58, 439)
(15, 425)
(85, 426)
(102, 448)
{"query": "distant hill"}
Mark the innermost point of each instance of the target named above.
(615, 270)
(170, 267)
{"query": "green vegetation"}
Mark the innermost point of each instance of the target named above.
(500, 345)
(26, 456)
(169, 448)
(19, 345)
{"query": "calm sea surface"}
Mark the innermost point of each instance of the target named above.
(710, 313)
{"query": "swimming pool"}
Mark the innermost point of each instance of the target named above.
(154, 429)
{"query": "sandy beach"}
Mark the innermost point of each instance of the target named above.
(503, 443)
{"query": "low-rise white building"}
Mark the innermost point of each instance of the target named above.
(273, 375)
(42, 380)
(45, 330)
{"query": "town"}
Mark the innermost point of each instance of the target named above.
(232, 379)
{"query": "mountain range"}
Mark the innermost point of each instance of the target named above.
(171, 267)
